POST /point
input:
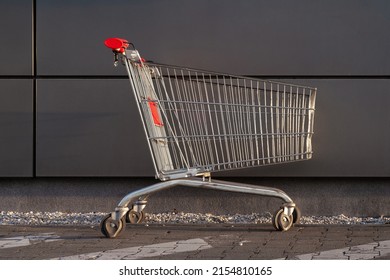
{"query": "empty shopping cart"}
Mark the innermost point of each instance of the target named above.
(199, 122)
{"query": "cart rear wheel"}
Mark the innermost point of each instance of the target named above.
(281, 221)
(134, 217)
(275, 219)
(297, 214)
(110, 227)
(284, 221)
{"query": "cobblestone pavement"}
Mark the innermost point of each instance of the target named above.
(197, 242)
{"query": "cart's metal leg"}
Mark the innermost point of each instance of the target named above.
(139, 205)
(123, 208)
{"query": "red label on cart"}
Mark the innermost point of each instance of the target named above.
(155, 113)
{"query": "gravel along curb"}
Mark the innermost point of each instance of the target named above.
(94, 218)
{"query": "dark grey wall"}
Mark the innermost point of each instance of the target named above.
(16, 128)
(89, 127)
(258, 37)
(16, 89)
(16, 27)
(75, 116)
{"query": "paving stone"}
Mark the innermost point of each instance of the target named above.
(383, 235)
(301, 249)
(331, 257)
(330, 245)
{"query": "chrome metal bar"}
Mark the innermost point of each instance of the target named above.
(200, 183)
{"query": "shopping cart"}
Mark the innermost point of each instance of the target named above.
(198, 122)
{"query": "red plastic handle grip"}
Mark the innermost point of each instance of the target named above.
(116, 44)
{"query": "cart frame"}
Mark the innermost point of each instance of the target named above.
(199, 122)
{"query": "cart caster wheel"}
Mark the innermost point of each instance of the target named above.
(134, 217)
(275, 219)
(111, 228)
(297, 214)
(285, 222)
(281, 221)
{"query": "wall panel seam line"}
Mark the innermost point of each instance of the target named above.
(34, 55)
(80, 77)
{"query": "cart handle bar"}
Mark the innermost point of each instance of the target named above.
(117, 45)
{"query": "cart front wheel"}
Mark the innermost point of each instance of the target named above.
(134, 217)
(275, 219)
(285, 221)
(110, 227)
(281, 221)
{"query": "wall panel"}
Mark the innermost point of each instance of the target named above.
(283, 37)
(16, 128)
(89, 128)
(16, 46)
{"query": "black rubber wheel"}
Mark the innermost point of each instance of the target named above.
(284, 221)
(111, 228)
(134, 217)
(296, 215)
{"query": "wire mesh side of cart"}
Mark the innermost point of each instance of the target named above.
(198, 121)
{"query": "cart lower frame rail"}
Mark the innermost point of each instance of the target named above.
(113, 224)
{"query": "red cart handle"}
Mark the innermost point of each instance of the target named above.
(117, 45)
